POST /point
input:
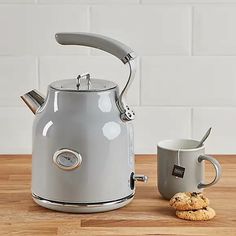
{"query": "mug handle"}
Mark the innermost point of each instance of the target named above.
(217, 167)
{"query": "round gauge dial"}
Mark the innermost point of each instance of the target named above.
(67, 159)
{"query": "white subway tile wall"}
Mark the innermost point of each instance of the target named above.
(150, 30)
(187, 1)
(15, 130)
(89, 1)
(222, 120)
(49, 20)
(215, 31)
(16, 29)
(17, 75)
(188, 81)
(186, 78)
(153, 124)
(17, 1)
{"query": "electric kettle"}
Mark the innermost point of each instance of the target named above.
(82, 153)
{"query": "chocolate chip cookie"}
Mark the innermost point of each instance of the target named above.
(206, 213)
(189, 201)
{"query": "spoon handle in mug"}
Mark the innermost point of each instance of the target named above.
(217, 167)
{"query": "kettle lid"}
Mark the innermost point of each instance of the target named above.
(83, 85)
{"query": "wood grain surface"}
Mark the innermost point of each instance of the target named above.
(147, 214)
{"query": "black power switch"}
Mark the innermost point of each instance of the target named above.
(132, 181)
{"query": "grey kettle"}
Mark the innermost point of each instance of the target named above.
(82, 154)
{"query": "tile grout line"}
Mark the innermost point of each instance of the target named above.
(191, 123)
(135, 3)
(192, 30)
(38, 72)
(140, 82)
(138, 3)
(89, 27)
(89, 18)
(187, 106)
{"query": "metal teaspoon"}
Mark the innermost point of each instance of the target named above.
(204, 138)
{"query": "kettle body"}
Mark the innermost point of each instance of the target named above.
(83, 152)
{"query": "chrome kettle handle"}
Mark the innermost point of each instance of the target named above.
(114, 47)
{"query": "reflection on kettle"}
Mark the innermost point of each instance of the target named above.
(104, 102)
(111, 130)
(56, 101)
(46, 128)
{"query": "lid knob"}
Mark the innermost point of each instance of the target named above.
(83, 76)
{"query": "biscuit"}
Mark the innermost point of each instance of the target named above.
(206, 213)
(189, 201)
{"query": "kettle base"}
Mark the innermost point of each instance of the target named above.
(82, 207)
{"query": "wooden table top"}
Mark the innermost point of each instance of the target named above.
(147, 214)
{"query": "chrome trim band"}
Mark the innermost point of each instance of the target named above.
(82, 207)
(82, 91)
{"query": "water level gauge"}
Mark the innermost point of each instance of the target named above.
(67, 159)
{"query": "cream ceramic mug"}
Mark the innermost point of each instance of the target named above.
(181, 167)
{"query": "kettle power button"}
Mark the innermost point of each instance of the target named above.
(67, 159)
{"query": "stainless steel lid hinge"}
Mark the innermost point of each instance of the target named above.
(126, 114)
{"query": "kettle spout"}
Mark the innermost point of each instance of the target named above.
(34, 100)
